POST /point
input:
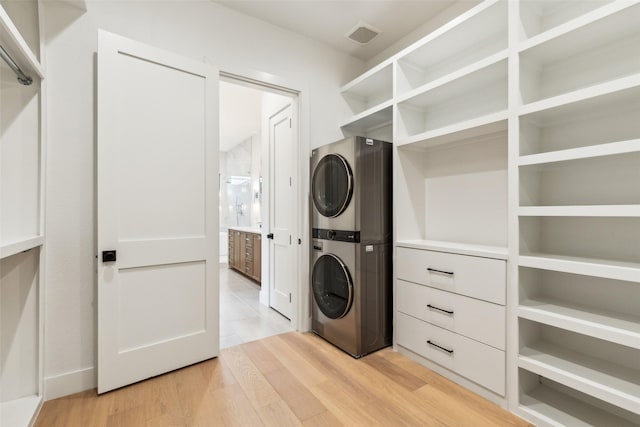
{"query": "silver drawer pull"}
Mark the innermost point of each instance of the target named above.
(439, 347)
(448, 273)
(439, 309)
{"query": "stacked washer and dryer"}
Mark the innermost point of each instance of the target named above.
(352, 244)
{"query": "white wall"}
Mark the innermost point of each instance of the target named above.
(201, 30)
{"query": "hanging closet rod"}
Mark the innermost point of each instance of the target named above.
(22, 77)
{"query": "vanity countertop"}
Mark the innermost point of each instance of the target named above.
(256, 230)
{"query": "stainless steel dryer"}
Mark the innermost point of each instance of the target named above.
(351, 286)
(351, 259)
(351, 188)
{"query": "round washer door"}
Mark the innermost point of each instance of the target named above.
(332, 286)
(332, 185)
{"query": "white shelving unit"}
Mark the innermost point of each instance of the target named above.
(370, 99)
(473, 96)
(473, 40)
(552, 404)
(523, 116)
(21, 217)
(578, 215)
(601, 369)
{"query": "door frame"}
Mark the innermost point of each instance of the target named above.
(297, 90)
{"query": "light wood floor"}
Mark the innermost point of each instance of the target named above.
(285, 380)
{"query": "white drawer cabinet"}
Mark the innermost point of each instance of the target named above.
(478, 362)
(473, 318)
(482, 278)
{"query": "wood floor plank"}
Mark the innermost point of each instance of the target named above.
(454, 391)
(343, 405)
(296, 363)
(258, 390)
(217, 373)
(409, 408)
(325, 419)
(331, 362)
(292, 379)
(278, 414)
(260, 355)
(301, 401)
(193, 389)
(394, 372)
(231, 407)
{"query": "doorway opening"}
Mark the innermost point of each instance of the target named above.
(247, 194)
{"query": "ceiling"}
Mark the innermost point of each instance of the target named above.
(240, 113)
(328, 21)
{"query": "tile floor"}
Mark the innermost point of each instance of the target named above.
(242, 317)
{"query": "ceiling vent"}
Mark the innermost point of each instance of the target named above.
(363, 33)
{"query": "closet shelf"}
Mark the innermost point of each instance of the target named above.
(17, 47)
(19, 412)
(11, 248)
(573, 100)
(594, 210)
(373, 118)
(600, 150)
(599, 378)
(468, 72)
(600, 26)
(608, 269)
(476, 34)
(496, 252)
(441, 93)
(607, 326)
(559, 409)
(474, 128)
(371, 82)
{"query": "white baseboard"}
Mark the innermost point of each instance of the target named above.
(264, 296)
(69, 383)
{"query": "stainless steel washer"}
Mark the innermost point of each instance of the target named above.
(351, 287)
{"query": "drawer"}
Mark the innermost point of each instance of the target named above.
(481, 278)
(478, 362)
(454, 312)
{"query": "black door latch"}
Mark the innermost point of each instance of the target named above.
(108, 256)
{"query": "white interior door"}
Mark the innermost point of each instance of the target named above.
(283, 210)
(158, 209)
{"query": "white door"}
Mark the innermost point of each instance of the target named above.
(283, 213)
(158, 209)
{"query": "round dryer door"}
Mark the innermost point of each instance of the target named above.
(332, 286)
(332, 185)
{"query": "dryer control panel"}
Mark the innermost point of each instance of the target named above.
(337, 235)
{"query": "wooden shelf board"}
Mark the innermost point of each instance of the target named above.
(496, 252)
(11, 248)
(378, 79)
(600, 150)
(19, 412)
(614, 327)
(599, 378)
(559, 409)
(17, 47)
(578, 29)
(575, 98)
(372, 118)
(592, 211)
(474, 128)
(608, 269)
(458, 74)
(457, 86)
